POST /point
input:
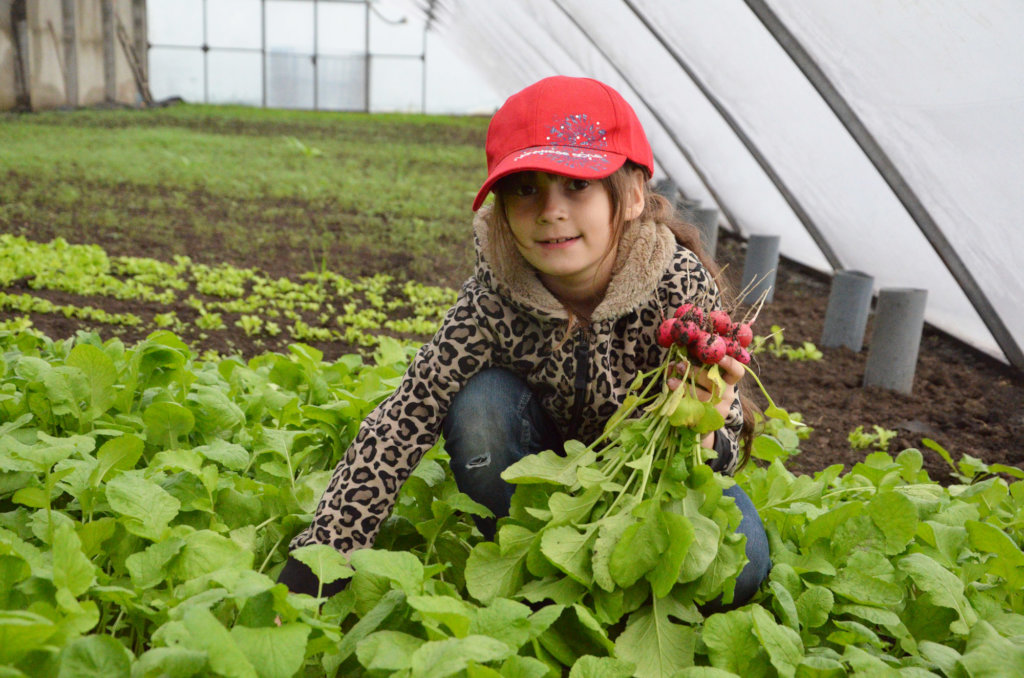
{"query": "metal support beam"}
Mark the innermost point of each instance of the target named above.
(263, 49)
(109, 51)
(69, 37)
(748, 143)
(316, 54)
(22, 76)
(366, 62)
(899, 185)
(140, 32)
(722, 204)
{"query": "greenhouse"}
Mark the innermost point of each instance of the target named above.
(276, 400)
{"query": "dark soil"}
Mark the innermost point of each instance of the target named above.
(965, 400)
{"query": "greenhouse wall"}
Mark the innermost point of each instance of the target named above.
(56, 53)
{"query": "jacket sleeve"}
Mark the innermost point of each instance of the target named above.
(394, 437)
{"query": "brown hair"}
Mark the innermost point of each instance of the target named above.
(657, 209)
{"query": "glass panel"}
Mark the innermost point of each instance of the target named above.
(289, 81)
(341, 28)
(290, 26)
(341, 82)
(175, 22)
(233, 23)
(235, 78)
(396, 84)
(176, 73)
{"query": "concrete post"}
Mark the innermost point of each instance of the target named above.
(759, 268)
(707, 221)
(892, 356)
(849, 303)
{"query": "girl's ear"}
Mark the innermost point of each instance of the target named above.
(635, 196)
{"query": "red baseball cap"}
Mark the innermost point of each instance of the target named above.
(574, 127)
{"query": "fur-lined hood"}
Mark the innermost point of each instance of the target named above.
(505, 318)
(644, 252)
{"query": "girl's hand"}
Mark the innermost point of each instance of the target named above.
(731, 371)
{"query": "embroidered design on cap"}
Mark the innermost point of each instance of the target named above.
(569, 143)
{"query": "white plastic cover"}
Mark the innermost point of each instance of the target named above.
(938, 84)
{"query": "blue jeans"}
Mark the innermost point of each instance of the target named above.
(496, 420)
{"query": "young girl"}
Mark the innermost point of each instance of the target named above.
(577, 264)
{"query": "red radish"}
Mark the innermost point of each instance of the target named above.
(711, 350)
(665, 333)
(732, 347)
(721, 321)
(697, 338)
(744, 334)
(683, 310)
(684, 331)
(690, 312)
(742, 355)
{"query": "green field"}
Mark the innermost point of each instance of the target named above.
(334, 227)
(198, 307)
(282, 191)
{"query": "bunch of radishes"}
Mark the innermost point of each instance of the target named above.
(709, 336)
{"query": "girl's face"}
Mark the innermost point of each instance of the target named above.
(563, 228)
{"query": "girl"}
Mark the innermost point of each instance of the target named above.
(577, 264)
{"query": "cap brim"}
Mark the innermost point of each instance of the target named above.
(568, 161)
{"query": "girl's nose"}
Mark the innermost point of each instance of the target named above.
(552, 204)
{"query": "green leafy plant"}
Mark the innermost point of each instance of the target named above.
(879, 439)
(774, 345)
(147, 498)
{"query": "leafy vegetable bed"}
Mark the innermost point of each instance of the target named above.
(147, 499)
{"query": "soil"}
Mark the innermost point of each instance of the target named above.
(967, 401)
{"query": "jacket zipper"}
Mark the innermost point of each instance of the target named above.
(582, 355)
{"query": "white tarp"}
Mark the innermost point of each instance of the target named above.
(938, 84)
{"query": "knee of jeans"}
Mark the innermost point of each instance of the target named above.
(481, 421)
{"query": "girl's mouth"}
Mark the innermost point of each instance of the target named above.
(559, 242)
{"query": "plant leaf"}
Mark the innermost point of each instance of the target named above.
(944, 587)
(326, 562)
(570, 551)
(95, 656)
(274, 651)
(657, 646)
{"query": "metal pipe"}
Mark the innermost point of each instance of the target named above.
(897, 183)
(366, 62)
(748, 143)
(109, 51)
(661, 121)
(263, 49)
(206, 58)
(316, 50)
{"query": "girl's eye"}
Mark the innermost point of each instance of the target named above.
(578, 184)
(522, 189)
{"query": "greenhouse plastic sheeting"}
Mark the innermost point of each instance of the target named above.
(739, 123)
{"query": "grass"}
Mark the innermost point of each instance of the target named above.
(285, 191)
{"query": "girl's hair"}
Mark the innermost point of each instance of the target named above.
(657, 209)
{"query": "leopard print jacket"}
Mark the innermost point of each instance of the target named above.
(505, 317)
